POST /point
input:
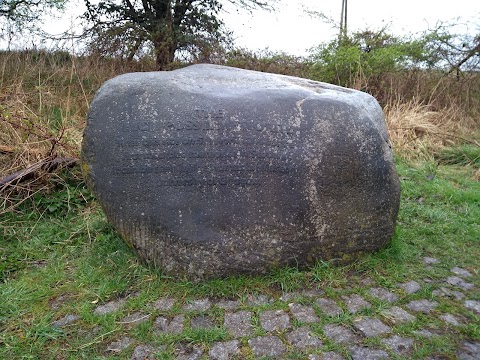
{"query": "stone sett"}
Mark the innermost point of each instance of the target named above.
(371, 327)
(66, 320)
(224, 350)
(469, 350)
(329, 307)
(174, 326)
(109, 307)
(291, 296)
(340, 334)
(459, 282)
(145, 352)
(198, 305)
(330, 355)
(120, 344)
(397, 315)
(355, 303)
(461, 272)
(228, 304)
(267, 346)
(445, 292)
(304, 314)
(473, 305)
(398, 344)
(410, 287)
(163, 304)
(425, 333)
(363, 353)
(274, 320)
(189, 353)
(238, 324)
(302, 338)
(258, 300)
(383, 294)
(423, 306)
(201, 322)
(450, 319)
(430, 260)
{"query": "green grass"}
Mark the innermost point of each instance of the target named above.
(460, 155)
(59, 246)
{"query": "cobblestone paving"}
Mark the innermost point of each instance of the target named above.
(379, 323)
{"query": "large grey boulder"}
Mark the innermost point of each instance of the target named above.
(211, 171)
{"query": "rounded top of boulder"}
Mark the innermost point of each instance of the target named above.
(228, 82)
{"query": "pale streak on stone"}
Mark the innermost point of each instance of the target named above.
(298, 120)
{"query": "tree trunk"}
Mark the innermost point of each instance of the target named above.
(164, 55)
(165, 47)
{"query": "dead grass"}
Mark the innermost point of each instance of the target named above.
(44, 98)
(417, 131)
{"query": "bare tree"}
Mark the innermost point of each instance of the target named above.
(457, 53)
(168, 26)
(25, 13)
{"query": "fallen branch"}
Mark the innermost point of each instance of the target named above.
(48, 165)
(42, 134)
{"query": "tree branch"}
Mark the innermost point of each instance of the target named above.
(49, 164)
(470, 54)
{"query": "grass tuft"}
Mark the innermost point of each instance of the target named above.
(418, 131)
(464, 155)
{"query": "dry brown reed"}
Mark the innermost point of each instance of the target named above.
(418, 131)
(44, 98)
(429, 110)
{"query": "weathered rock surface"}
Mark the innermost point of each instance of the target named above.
(210, 171)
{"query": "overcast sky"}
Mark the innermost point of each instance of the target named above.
(290, 29)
